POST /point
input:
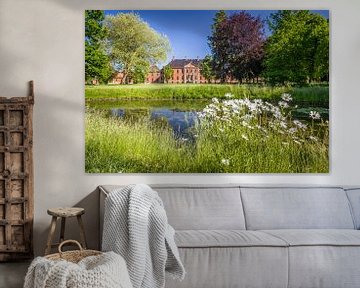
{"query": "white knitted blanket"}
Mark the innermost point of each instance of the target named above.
(103, 271)
(136, 227)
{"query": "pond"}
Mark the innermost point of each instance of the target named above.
(181, 116)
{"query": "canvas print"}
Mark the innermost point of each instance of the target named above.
(241, 91)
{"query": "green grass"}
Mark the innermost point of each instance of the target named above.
(118, 146)
(316, 95)
(184, 105)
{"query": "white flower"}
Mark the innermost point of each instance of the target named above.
(277, 114)
(299, 124)
(292, 130)
(244, 137)
(313, 138)
(283, 124)
(286, 97)
(215, 100)
(283, 104)
(225, 162)
(314, 115)
(229, 95)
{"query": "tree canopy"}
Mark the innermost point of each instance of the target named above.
(298, 49)
(97, 65)
(133, 44)
(237, 45)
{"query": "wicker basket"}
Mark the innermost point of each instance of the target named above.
(72, 256)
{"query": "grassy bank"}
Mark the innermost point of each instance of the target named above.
(316, 96)
(118, 146)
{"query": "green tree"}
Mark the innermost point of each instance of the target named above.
(168, 73)
(97, 64)
(217, 44)
(132, 43)
(206, 68)
(298, 49)
(138, 74)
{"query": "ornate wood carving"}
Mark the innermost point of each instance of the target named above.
(16, 177)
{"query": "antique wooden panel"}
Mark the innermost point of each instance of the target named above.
(16, 177)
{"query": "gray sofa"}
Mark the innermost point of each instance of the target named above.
(248, 236)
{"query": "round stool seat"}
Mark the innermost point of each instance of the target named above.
(66, 211)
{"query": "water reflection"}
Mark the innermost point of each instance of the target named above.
(181, 122)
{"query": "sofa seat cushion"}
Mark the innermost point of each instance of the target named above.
(225, 238)
(317, 237)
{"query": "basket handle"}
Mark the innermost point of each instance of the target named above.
(69, 241)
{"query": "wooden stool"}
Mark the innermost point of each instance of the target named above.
(64, 213)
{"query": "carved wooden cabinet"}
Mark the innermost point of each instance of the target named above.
(16, 177)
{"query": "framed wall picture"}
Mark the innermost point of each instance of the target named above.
(206, 91)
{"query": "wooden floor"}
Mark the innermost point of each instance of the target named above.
(12, 274)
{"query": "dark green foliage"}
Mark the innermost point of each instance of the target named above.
(217, 42)
(298, 50)
(206, 68)
(97, 64)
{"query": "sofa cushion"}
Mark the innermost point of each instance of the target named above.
(191, 207)
(296, 208)
(327, 258)
(226, 238)
(354, 198)
(203, 208)
(223, 267)
(315, 237)
(324, 266)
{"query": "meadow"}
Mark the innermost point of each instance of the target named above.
(248, 130)
(312, 95)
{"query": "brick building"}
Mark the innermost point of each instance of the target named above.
(154, 76)
(184, 71)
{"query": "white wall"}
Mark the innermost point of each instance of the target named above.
(43, 40)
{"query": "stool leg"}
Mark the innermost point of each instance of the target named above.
(51, 235)
(82, 232)
(62, 230)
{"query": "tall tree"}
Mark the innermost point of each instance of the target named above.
(238, 44)
(246, 40)
(206, 68)
(217, 43)
(298, 49)
(97, 64)
(132, 43)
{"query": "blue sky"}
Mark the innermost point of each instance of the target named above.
(188, 30)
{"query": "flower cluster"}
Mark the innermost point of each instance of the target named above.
(257, 116)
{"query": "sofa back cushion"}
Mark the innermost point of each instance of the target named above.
(296, 208)
(203, 208)
(354, 198)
